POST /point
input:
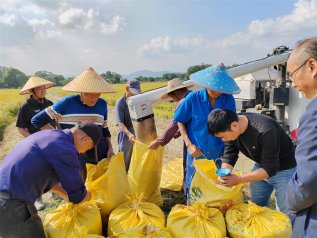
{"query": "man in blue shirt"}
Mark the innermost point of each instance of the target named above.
(192, 115)
(46, 160)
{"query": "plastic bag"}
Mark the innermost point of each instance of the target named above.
(149, 231)
(145, 172)
(205, 189)
(108, 183)
(250, 220)
(172, 175)
(134, 214)
(73, 220)
(196, 221)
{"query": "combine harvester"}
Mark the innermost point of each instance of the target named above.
(271, 95)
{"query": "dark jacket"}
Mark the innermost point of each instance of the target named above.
(302, 188)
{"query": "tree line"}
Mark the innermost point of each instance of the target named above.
(14, 78)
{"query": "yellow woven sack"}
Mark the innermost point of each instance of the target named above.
(172, 175)
(149, 231)
(205, 189)
(250, 220)
(108, 183)
(196, 221)
(73, 220)
(134, 214)
(145, 172)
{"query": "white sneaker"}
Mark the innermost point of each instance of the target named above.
(39, 204)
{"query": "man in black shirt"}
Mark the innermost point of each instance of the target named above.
(263, 140)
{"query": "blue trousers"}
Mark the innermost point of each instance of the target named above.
(261, 191)
(126, 146)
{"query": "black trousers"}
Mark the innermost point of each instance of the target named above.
(19, 219)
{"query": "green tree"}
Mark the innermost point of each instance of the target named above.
(59, 80)
(12, 78)
(111, 77)
(194, 69)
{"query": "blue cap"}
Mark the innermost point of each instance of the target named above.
(134, 86)
(216, 78)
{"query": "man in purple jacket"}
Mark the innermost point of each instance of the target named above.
(46, 160)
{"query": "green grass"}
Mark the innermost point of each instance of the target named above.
(10, 101)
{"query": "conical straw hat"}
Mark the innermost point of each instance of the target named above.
(89, 82)
(173, 85)
(216, 78)
(35, 82)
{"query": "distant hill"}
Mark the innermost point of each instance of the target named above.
(144, 73)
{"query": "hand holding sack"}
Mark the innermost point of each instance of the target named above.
(196, 221)
(250, 220)
(204, 188)
(134, 214)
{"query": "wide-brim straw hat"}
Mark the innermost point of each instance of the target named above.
(89, 82)
(216, 78)
(173, 85)
(35, 82)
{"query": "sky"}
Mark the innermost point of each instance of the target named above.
(68, 36)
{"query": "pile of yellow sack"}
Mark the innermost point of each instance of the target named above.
(128, 205)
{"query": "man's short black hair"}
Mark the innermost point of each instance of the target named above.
(220, 120)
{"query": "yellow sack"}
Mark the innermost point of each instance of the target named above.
(108, 183)
(250, 220)
(134, 214)
(73, 220)
(204, 188)
(145, 172)
(172, 175)
(149, 231)
(196, 221)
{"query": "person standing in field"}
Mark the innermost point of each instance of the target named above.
(85, 106)
(192, 115)
(46, 160)
(124, 122)
(177, 91)
(37, 102)
(301, 196)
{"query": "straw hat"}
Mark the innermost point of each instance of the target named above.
(89, 82)
(216, 78)
(35, 82)
(173, 85)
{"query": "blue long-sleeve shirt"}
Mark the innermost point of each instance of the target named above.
(70, 110)
(39, 162)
